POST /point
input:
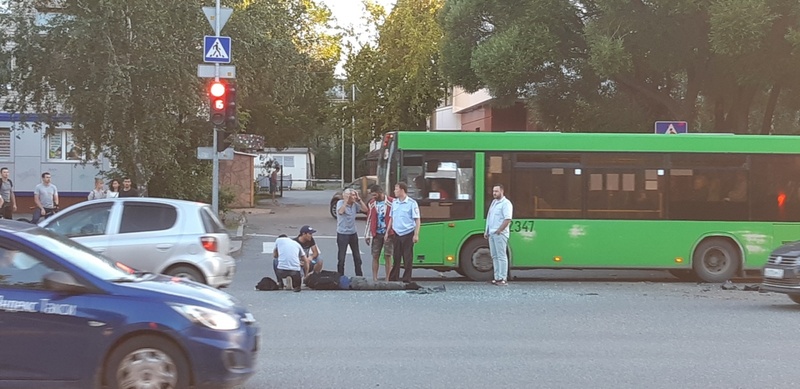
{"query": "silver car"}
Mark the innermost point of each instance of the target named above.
(174, 237)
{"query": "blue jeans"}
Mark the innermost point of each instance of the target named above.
(497, 246)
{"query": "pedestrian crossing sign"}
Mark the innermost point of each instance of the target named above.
(671, 127)
(217, 49)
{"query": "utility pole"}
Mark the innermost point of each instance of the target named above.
(353, 138)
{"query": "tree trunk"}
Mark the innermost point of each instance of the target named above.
(769, 111)
(719, 114)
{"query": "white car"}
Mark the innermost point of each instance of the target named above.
(173, 237)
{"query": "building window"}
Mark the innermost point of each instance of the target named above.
(5, 143)
(285, 160)
(61, 147)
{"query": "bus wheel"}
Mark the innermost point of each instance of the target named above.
(715, 260)
(684, 275)
(476, 260)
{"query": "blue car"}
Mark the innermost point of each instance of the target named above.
(70, 318)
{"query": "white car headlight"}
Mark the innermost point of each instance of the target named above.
(208, 317)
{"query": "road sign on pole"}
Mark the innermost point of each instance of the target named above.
(208, 153)
(217, 49)
(671, 127)
(207, 71)
(211, 15)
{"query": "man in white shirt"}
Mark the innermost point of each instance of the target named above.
(289, 261)
(497, 220)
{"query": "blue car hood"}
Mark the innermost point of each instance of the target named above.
(183, 291)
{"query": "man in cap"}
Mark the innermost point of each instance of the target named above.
(306, 240)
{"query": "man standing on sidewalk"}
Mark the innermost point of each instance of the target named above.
(404, 221)
(346, 210)
(9, 201)
(45, 196)
(497, 220)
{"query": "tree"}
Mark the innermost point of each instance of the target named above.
(673, 59)
(397, 78)
(124, 76)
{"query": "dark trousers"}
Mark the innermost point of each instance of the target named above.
(7, 211)
(280, 274)
(37, 214)
(342, 241)
(403, 248)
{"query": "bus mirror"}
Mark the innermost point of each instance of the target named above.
(432, 166)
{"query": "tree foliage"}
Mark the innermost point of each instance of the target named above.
(124, 73)
(618, 65)
(397, 78)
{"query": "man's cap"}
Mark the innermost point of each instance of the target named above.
(307, 230)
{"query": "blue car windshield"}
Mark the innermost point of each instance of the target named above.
(76, 253)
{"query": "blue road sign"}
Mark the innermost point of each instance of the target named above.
(217, 49)
(672, 127)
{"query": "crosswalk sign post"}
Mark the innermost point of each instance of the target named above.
(217, 49)
(671, 127)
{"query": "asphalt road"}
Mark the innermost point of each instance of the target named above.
(547, 329)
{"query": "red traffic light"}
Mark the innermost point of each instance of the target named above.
(217, 89)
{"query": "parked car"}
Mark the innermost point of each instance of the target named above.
(173, 237)
(781, 273)
(73, 319)
(361, 184)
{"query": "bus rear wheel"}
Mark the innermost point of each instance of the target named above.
(475, 260)
(715, 260)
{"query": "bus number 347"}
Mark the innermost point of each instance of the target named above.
(521, 225)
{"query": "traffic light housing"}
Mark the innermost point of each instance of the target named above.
(218, 93)
(231, 121)
(222, 143)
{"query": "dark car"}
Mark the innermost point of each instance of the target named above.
(781, 273)
(72, 318)
(361, 184)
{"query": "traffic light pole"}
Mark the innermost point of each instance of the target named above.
(215, 176)
(215, 160)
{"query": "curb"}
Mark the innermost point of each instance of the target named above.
(237, 240)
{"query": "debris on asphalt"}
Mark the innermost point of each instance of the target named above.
(426, 290)
(728, 285)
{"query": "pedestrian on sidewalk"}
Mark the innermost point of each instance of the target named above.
(346, 210)
(273, 183)
(98, 192)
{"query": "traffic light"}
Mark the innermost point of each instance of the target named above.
(222, 144)
(231, 121)
(218, 93)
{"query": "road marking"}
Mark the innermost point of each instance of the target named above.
(268, 247)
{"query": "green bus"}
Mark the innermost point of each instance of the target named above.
(701, 206)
